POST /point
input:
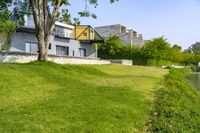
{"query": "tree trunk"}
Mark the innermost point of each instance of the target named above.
(43, 48)
(44, 23)
(43, 52)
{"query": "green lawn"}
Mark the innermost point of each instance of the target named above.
(46, 97)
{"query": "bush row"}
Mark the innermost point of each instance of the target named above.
(156, 52)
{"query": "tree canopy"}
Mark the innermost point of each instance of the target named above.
(195, 48)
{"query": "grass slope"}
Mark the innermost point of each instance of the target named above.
(46, 97)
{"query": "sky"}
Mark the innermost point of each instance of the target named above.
(176, 20)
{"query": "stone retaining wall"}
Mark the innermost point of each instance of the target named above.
(121, 61)
(15, 57)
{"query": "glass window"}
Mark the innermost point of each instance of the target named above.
(60, 31)
(62, 50)
(82, 52)
(32, 48)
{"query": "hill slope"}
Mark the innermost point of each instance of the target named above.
(48, 97)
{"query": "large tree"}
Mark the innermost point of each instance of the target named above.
(7, 27)
(195, 48)
(158, 49)
(44, 20)
(4, 11)
(6, 30)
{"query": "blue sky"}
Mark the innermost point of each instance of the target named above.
(177, 20)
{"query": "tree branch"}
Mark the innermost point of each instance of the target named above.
(32, 2)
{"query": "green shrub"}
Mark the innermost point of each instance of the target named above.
(193, 67)
(176, 106)
(153, 62)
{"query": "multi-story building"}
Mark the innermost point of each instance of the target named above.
(66, 40)
(127, 36)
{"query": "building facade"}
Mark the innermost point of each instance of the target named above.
(66, 40)
(127, 36)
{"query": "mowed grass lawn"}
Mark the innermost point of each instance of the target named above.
(46, 97)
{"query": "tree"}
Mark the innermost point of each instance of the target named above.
(6, 30)
(4, 11)
(177, 47)
(44, 20)
(112, 48)
(6, 27)
(158, 49)
(195, 48)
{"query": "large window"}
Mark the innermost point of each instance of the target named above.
(62, 50)
(82, 52)
(63, 32)
(60, 31)
(32, 48)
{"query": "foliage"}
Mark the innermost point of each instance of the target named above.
(156, 52)
(177, 47)
(47, 97)
(195, 48)
(4, 11)
(6, 30)
(176, 105)
(111, 48)
(157, 49)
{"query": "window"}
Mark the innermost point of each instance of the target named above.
(82, 52)
(85, 34)
(63, 32)
(49, 45)
(73, 52)
(60, 31)
(32, 48)
(62, 50)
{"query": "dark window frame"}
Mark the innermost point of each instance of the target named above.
(85, 52)
(60, 52)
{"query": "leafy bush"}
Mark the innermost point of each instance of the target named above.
(193, 67)
(177, 105)
(153, 62)
(156, 52)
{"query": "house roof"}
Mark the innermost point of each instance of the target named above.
(32, 30)
(64, 25)
(26, 29)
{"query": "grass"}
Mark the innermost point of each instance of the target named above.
(46, 97)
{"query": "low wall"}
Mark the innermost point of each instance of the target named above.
(15, 57)
(121, 61)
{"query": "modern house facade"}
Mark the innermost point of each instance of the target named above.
(127, 36)
(66, 40)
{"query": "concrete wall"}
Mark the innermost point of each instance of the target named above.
(19, 40)
(25, 58)
(106, 31)
(128, 37)
(138, 41)
(121, 61)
